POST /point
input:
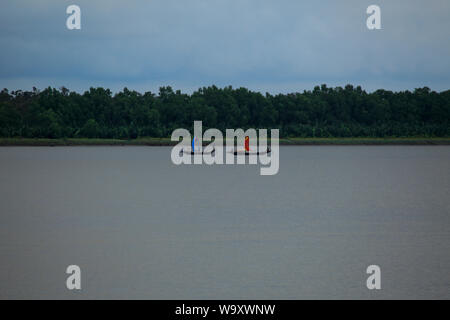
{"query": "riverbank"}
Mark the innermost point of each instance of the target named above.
(168, 142)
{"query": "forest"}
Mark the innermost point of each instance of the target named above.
(322, 112)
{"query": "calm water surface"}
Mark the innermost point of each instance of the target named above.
(141, 227)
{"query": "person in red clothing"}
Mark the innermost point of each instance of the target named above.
(247, 143)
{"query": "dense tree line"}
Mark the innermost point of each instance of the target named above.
(322, 112)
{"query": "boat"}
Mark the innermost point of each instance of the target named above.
(195, 150)
(247, 150)
(248, 153)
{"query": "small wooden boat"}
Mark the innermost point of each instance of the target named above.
(189, 151)
(248, 153)
(195, 149)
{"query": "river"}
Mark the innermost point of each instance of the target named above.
(140, 227)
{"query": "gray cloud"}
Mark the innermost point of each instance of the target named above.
(275, 46)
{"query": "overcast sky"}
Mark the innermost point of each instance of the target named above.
(265, 45)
